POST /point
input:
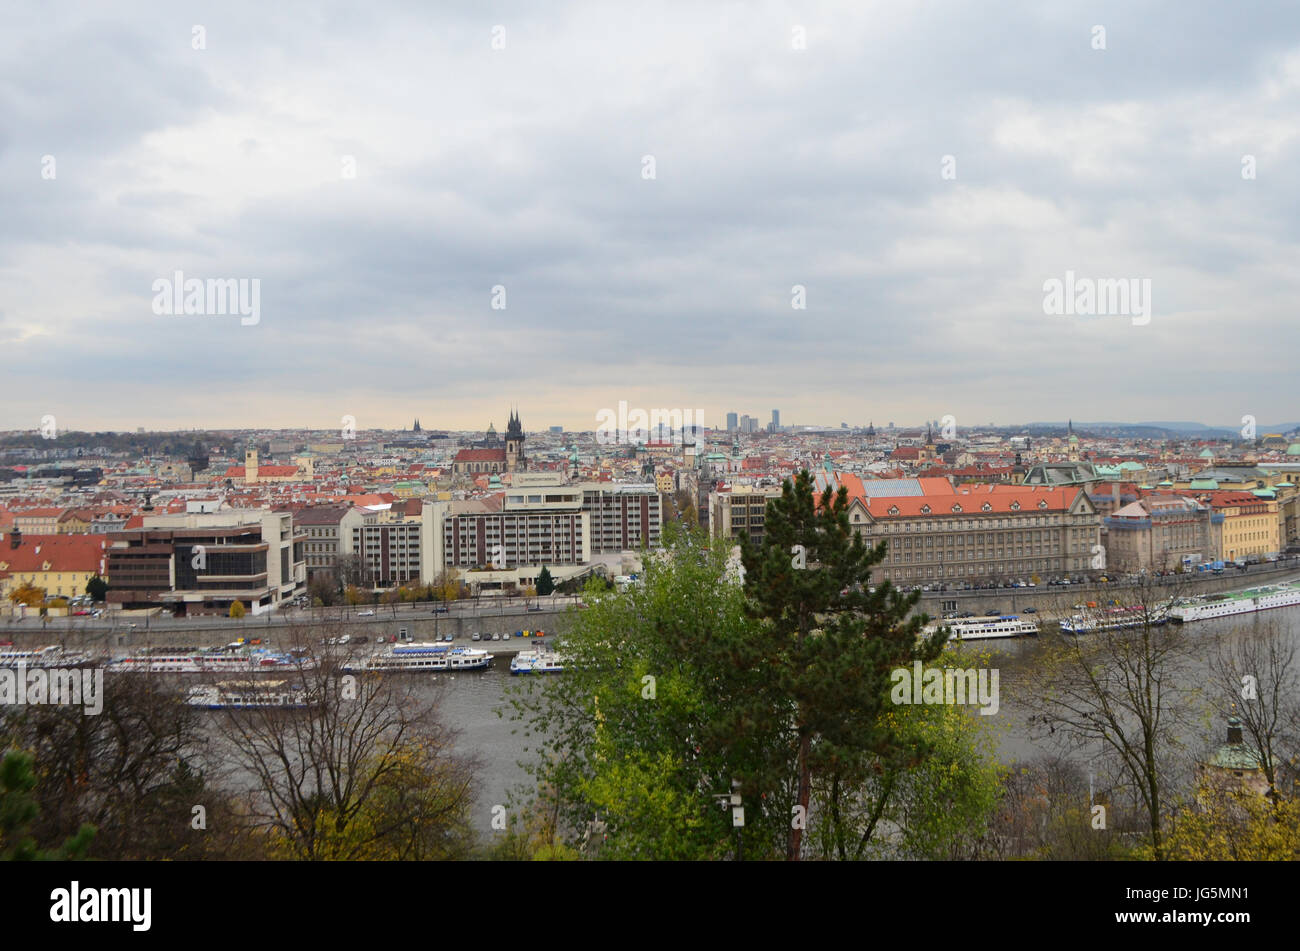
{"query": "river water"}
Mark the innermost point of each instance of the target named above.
(476, 704)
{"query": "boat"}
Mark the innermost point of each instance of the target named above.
(251, 695)
(1227, 604)
(1113, 619)
(423, 657)
(986, 628)
(234, 658)
(51, 656)
(536, 662)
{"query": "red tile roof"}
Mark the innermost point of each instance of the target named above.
(61, 552)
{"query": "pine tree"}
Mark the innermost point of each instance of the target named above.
(827, 642)
(545, 583)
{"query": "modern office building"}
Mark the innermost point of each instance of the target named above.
(203, 563)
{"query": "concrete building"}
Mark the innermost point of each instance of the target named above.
(395, 544)
(1159, 532)
(736, 510)
(203, 563)
(980, 533)
(319, 524)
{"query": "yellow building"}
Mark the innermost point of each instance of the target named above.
(61, 564)
(1251, 528)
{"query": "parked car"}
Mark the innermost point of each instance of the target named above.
(475, 636)
(1031, 610)
(360, 640)
(365, 614)
(447, 637)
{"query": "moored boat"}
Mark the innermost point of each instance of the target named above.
(987, 628)
(51, 656)
(1230, 603)
(251, 695)
(1114, 619)
(235, 658)
(536, 662)
(423, 657)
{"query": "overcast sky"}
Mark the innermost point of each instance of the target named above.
(524, 167)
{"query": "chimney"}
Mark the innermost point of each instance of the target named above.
(15, 537)
(1234, 731)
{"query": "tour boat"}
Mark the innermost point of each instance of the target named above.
(251, 695)
(1113, 619)
(193, 660)
(1207, 606)
(421, 657)
(536, 662)
(985, 628)
(52, 656)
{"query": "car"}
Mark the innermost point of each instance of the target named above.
(441, 609)
(360, 640)
(447, 637)
(365, 614)
(1031, 610)
(535, 607)
(81, 613)
(475, 636)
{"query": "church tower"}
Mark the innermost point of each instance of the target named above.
(515, 460)
(250, 465)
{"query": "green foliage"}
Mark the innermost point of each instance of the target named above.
(97, 588)
(828, 643)
(545, 583)
(18, 810)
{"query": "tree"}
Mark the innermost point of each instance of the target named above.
(626, 741)
(237, 609)
(1116, 693)
(353, 595)
(97, 588)
(366, 772)
(446, 586)
(134, 771)
(1233, 824)
(19, 809)
(28, 594)
(827, 642)
(545, 583)
(1256, 677)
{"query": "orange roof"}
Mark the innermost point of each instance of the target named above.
(61, 552)
(998, 499)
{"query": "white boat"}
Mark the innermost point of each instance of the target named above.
(52, 656)
(251, 695)
(235, 659)
(418, 657)
(536, 662)
(986, 628)
(1207, 606)
(1113, 619)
